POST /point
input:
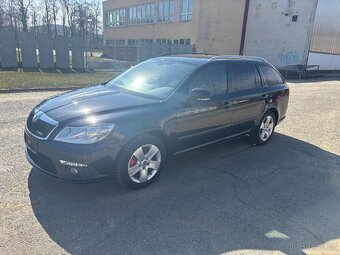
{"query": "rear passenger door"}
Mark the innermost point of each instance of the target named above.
(247, 93)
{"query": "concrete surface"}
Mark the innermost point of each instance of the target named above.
(233, 198)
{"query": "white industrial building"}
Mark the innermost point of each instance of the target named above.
(289, 33)
(294, 32)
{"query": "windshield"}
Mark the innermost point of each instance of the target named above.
(155, 77)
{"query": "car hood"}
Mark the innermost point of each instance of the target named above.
(90, 101)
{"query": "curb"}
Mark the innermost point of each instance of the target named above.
(22, 90)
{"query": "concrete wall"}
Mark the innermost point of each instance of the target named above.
(62, 52)
(219, 27)
(45, 46)
(324, 61)
(8, 57)
(28, 50)
(272, 34)
(31, 43)
(77, 46)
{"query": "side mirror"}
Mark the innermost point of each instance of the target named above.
(200, 94)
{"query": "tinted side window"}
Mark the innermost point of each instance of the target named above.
(244, 76)
(271, 77)
(213, 78)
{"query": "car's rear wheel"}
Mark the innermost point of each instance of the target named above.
(265, 130)
(140, 162)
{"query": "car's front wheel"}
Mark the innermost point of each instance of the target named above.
(140, 162)
(264, 131)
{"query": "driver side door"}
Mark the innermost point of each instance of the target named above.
(202, 121)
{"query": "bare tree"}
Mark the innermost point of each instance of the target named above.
(96, 13)
(63, 20)
(34, 17)
(46, 14)
(11, 14)
(55, 11)
(2, 13)
(23, 6)
(70, 10)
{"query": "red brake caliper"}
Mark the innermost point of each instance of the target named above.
(133, 161)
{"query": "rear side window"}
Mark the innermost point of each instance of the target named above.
(271, 76)
(213, 78)
(244, 76)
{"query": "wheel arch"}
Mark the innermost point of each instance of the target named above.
(154, 132)
(162, 137)
(276, 113)
(270, 109)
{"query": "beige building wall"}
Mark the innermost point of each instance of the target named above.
(216, 25)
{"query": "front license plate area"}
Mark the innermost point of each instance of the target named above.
(31, 143)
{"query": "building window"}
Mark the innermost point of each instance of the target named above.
(146, 41)
(161, 40)
(120, 42)
(132, 42)
(181, 41)
(166, 11)
(142, 14)
(116, 18)
(109, 42)
(188, 41)
(186, 10)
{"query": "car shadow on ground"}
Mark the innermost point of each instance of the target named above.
(229, 197)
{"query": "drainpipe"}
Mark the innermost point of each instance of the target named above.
(244, 27)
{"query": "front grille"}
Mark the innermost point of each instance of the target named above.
(42, 161)
(40, 127)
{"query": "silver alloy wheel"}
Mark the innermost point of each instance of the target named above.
(266, 128)
(144, 163)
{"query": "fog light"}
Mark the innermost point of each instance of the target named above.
(66, 163)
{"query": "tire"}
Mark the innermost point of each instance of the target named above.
(265, 129)
(135, 169)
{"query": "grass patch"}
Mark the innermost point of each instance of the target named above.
(12, 79)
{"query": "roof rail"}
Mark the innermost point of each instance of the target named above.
(226, 57)
(187, 53)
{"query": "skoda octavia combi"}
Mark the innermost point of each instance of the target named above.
(126, 128)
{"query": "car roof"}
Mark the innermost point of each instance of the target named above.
(188, 60)
(201, 59)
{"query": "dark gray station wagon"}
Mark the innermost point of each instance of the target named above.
(126, 128)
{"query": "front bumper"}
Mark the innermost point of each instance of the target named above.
(98, 159)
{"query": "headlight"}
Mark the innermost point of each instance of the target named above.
(84, 135)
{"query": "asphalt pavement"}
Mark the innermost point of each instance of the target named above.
(231, 198)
